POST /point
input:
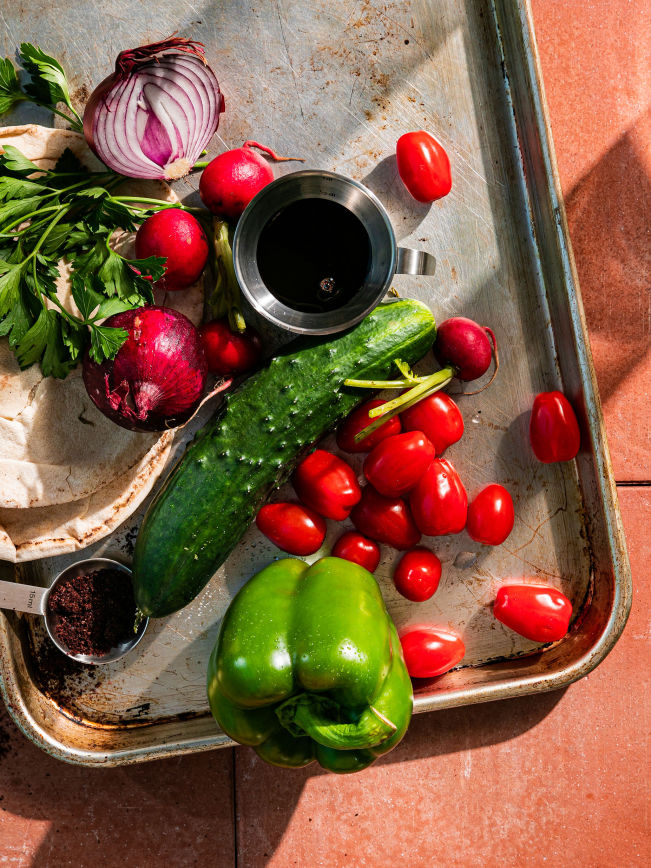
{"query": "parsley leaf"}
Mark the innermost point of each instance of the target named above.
(10, 92)
(17, 208)
(121, 277)
(10, 277)
(105, 341)
(43, 341)
(85, 296)
(74, 337)
(16, 188)
(14, 162)
(48, 85)
(18, 320)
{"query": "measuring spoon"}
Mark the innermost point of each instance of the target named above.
(33, 600)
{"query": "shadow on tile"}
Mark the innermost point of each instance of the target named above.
(175, 812)
(267, 797)
(610, 238)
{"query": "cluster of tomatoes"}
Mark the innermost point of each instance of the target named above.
(412, 491)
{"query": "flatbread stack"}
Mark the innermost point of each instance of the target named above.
(68, 475)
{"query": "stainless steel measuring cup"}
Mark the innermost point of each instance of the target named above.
(386, 257)
(33, 600)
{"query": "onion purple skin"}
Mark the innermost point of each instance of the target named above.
(123, 123)
(157, 379)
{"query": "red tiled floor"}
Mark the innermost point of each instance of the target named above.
(175, 812)
(596, 78)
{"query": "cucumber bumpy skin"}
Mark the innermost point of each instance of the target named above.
(254, 442)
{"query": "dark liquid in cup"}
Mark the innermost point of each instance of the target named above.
(314, 255)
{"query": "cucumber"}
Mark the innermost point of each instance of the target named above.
(254, 442)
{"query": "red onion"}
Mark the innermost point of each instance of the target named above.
(155, 114)
(157, 378)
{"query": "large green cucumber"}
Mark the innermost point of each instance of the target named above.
(252, 445)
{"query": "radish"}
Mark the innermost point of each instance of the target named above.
(231, 180)
(463, 343)
(463, 349)
(227, 352)
(179, 237)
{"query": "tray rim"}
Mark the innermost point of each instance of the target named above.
(507, 687)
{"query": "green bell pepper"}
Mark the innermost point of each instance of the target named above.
(308, 666)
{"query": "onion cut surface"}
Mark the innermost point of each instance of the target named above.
(155, 114)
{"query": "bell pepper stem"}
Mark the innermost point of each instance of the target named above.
(321, 719)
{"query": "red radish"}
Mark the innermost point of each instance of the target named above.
(229, 353)
(157, 378)
(231, 180)
(464, 344)
(179, 237)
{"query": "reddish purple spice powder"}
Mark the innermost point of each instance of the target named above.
(93, 613)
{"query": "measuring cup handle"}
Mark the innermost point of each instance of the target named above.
(22, 598)
(409, 261)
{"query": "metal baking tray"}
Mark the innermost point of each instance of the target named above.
(337, 84)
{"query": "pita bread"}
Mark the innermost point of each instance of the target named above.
(69, 476)
(26, 534)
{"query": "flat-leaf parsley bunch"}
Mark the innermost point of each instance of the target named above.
(64, 214)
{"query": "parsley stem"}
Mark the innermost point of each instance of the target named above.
(26, 217)
(39, 244)
(69, 316)
(154, 202)
(76, 123)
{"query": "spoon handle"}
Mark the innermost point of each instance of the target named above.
(22, 598)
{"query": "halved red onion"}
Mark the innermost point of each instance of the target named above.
(156, 113)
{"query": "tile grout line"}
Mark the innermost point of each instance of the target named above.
(234, 797)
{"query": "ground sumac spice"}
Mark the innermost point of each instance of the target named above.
(93, 613)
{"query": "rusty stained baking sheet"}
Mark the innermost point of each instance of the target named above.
(338, 84)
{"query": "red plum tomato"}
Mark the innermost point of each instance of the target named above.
(354, 547)
(229, 353)
(536, 612)
(327, 484)
(438, 417)
(424, 166)
(439, 503)
(357, 421)
(179, 237)
(293, 528)
(396, 464)
(553, 429)
(417, 574)
(490, 516)
(430, 651)
(385, 520)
